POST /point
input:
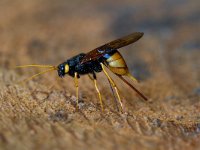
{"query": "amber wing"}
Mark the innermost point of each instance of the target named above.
(109, 47)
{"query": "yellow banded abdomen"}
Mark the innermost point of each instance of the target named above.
(117, 64)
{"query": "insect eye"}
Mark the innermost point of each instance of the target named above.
(61, 70)
(61, 67)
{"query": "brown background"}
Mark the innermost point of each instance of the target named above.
(41, 113)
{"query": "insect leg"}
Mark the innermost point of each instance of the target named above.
(97, 89)
(76, 85)
(132, 78)
(90, 77)
(113, 84)
(113, 95)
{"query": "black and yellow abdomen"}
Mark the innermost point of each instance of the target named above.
(116, 63)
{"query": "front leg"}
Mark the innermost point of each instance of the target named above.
(76, 85)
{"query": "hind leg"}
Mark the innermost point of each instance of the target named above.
(114, 86)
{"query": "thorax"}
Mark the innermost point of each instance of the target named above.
(85, 68)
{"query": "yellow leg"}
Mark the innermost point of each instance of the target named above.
(99, 94)
(132, 78)
(90, 77)
(97, 89)
(76, 85)
(114, 85)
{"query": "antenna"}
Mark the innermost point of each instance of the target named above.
(40, 73)
(38, 66)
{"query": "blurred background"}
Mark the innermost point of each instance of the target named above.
(166, 59)
(51, 31)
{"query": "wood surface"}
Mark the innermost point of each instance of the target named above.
(41, 113)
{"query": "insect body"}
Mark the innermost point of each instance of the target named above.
(115, 62)
(94, 62)
(73, 65)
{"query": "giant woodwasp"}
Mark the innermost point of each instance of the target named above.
(94, 62)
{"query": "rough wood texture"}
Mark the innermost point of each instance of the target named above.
(41, 114)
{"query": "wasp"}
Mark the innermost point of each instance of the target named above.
(94, 62)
